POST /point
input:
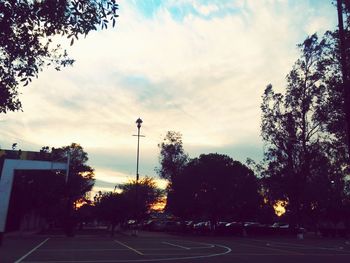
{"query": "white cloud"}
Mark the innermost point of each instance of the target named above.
(205, 9)
(317, 24)
(113, 176)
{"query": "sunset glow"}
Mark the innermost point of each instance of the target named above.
(280, 207)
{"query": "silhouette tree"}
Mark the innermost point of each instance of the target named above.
(28, 36)
(79, 182)
(134, 201)
(335, 115)
(85, 214)
(81, 176)
(172, 156)
(141, 196)
(213, 187)
(113, 208)
(299, 150)
(343, 59)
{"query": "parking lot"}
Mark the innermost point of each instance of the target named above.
(154, 247)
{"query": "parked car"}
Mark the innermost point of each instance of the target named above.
(279, 228)
(280, 225)
(172, 226)
(255, 228)
(158, 226)
(188, 226)
(131, 224)
(202, 227)
(220, 227)
(234, 228)
(147, 225)
(285, 229)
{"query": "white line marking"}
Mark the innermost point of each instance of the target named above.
(85, 249)
(174, 245)
(176, 254)
(227, 251)
(195, 242)
(117, 249)
(169, 259)
(30, 252)
(289, 252)
(299, 246)
(211, 246)
(125, 245)
(292, 255)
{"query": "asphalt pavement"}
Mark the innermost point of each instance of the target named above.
(160, 247)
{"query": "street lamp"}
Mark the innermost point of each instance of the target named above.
(138, 122)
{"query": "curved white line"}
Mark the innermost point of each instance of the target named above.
(175, 245)
(207, 245)
(228, 250)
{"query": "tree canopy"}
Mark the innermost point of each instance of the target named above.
(172, 157)
(134, 201)
(213, 187)
(81, 176)
(112, 207)
(141, 196)
(28, 38)
(305, 134)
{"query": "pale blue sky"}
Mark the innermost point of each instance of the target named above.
(198, 67)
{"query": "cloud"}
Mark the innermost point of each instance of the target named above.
(206, 9)
(239, 152)
(317, 24)
(198, 67)
(103, 184)
(109, 179)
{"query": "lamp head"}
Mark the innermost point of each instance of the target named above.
(139, 121)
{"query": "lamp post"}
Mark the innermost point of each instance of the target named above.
(138, 122)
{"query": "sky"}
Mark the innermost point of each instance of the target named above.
(198, 67)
